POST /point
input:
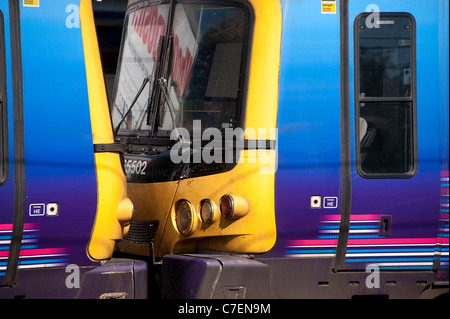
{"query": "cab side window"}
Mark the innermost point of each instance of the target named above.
(386, 145)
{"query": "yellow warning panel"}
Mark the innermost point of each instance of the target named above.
(328, 7)
(31, 3)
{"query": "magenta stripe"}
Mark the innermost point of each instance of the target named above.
(27, 226)
(312, 242)
(43, 251)
(392, 241)
(39, 251)
(352, 217)
(370, 241)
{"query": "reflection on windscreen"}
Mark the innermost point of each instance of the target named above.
(143, 28)
(202, 73)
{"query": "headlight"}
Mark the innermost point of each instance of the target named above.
(207, 211)
(184, 217)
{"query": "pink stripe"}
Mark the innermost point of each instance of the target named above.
(352, 217)
(330, 217)
(35, 252)
(444, 173)
(6, 226)
(392, 241)
(43, 251)
(27, 226)
(364, 217)
(374, 241)
(312, 242)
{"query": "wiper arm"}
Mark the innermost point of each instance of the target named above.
(163, 84)
(144, 83)
(164, 88)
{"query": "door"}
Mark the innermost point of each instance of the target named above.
(11, 143)
(395, 115)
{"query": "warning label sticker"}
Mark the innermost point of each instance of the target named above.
(328, 7)
(31, 3)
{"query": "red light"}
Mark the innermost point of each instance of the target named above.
(227, 206)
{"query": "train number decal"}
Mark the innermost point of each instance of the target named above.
(135, 167)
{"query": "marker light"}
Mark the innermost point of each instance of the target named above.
(233, 206)
(184, 217)
(207, 211)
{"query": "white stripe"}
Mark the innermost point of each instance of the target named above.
(41, 265)
(352, 231)
(24, 241)
(37, 256)
(407, 264)
(313, 246)
(42, 256)
(25, 230)
(390, 245)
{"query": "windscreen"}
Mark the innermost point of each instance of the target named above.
(195, 68)
(138, 60)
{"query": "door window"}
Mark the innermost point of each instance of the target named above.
(386, 145)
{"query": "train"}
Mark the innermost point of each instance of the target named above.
(248, 149)
(63, 197)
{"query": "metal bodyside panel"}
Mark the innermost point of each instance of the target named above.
(59, 159)
(214, 277)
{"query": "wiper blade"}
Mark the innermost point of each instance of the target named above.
(164, 88)
(163, 84)
(144, 83)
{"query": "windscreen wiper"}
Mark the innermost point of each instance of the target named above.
(144, 83)
(163, 84)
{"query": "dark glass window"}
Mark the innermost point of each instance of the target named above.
(385, 96)
(204, 75)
